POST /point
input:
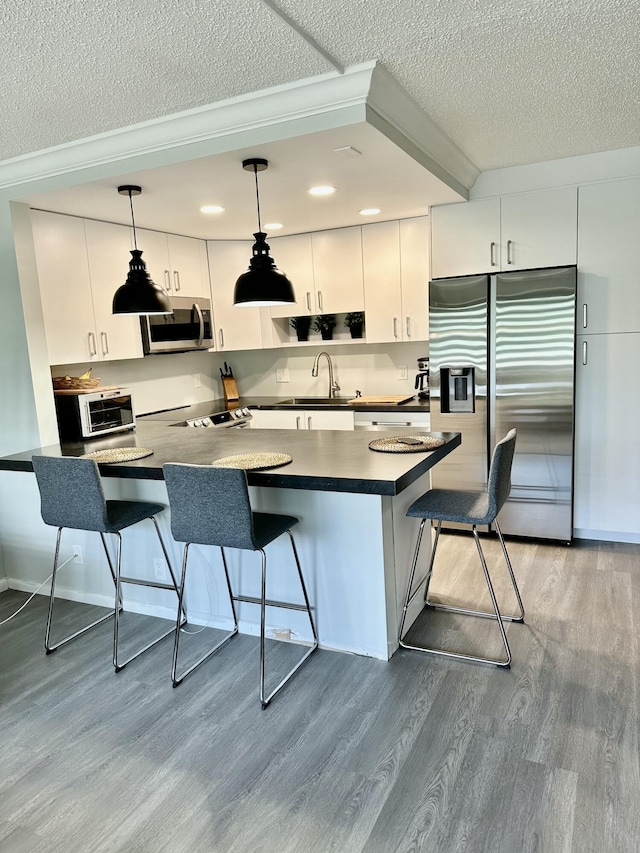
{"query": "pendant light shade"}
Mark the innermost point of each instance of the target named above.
(263, 283)
(139, 294)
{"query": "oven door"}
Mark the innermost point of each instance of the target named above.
(188, 327)
(106, 414)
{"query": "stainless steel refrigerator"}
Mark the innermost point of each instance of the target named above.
(502, 355)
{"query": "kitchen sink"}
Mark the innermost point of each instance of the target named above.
(314, 401)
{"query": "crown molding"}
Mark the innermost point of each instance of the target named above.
(363, 93)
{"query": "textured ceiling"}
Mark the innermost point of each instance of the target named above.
(509, 82)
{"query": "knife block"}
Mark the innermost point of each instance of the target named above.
(230, 389)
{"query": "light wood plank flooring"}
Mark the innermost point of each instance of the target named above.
(417, 754)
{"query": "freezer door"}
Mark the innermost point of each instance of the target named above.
(457, 342)
(534, 392)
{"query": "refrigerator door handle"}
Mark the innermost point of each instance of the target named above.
(584, 316)
(584, 352)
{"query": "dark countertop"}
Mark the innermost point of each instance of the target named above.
(199, 410)
(323, 460)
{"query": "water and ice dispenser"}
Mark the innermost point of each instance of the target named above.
(457, 389)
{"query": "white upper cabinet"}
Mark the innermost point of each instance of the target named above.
(609, 246)
(293, 256)
(81, 263)
(65, 290)
(237, 328)
(539, 229)
(414, 277)
(109, 252)
(337, 270)
(396, 280)
(527, 231)
(179, 264)
(465, 238)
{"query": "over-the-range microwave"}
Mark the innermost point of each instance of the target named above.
(189, 327)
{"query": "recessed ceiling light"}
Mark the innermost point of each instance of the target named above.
(273, 226)
(211, 208)
(369, 211)
(321, 190)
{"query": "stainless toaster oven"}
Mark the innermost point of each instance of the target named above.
(81, 415)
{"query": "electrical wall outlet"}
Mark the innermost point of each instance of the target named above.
(197, 380)
(282, 374)
(159, 568)
(77, 554)
(403, 371)
(281, 633)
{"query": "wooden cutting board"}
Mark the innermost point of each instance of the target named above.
(382, 400)
(66, 391)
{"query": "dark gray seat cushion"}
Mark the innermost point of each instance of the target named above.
(472, 507)
(210, 506)
(71, 495)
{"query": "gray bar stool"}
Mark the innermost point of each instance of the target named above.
(211, 506)
(72, 496)
(471, 508)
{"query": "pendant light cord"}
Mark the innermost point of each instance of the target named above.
(255, 172)
(133, 221)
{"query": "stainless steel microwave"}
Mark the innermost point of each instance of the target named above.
(81, 416)
(188, 327)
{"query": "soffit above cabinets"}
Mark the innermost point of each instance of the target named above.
(359, 132)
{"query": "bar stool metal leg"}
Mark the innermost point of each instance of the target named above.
(49, 648)
(175, 678)
(120, 579)
(491, 615)
(264, 602)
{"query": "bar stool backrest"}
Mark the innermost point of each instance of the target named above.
(71, 493)
(210, 506)
(500, 473)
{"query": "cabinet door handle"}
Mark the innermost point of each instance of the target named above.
(584, 316)
(298, 422)
(392, 423)
(320, 305)
(167, 281)
(408, 328)
(509, 257)
(309, 422)
(584, 352)
(492, 254)
(92, 344)
(104, 340)
(395, 327)
(221, 336)
(176, 281)
(309, 301)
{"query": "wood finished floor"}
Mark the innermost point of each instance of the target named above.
(356, 755)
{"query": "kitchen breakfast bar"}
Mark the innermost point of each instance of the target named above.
(354, 540)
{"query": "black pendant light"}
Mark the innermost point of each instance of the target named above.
(138, 295)
(263, 283)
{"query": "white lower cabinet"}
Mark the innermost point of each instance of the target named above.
(301, 419)
(607, 450)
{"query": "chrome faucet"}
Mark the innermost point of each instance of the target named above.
(333, 385)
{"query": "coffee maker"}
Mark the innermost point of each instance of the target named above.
(422, 378)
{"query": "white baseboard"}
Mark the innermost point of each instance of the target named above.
(4, 584)
(606, 536)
